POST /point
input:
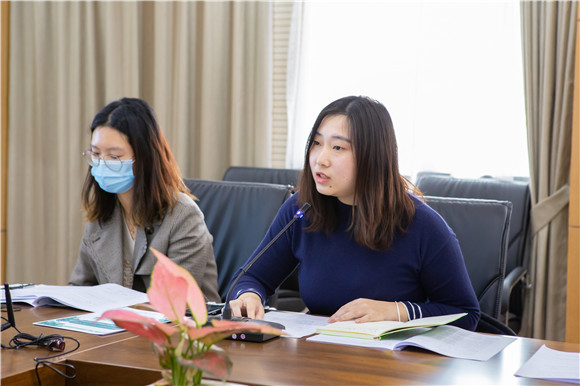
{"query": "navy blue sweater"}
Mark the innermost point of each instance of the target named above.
(423, 268)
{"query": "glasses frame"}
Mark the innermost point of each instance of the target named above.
(95, 160)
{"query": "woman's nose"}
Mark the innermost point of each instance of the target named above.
(322, 157)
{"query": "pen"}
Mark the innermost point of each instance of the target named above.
(18, 286)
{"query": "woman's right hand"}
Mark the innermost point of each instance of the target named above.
(248, 304)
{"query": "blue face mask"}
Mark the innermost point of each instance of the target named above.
(114, 181)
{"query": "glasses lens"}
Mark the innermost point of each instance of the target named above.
(113, 163)
(91, 158)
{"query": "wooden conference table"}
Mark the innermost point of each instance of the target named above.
(125, 359)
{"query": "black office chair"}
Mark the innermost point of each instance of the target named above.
(287, 297)
(287, 177)
(482, 228)
(237, 214)
(518, 193)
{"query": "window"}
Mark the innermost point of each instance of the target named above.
(450, 75)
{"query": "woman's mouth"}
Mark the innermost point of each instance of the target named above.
(321, 178)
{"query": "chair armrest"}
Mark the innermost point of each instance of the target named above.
(514, 277)
(516, 274)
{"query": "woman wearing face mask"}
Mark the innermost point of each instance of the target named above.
(368, 249)
(135, 199)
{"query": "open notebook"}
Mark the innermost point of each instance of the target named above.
(376, 330)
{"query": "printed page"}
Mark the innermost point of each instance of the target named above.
(456, 342)
(96, 298)
(297, 324)
(552, 365)
(450, 341)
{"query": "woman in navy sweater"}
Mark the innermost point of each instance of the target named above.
(368, 249)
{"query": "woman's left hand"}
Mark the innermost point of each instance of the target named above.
(367, 310)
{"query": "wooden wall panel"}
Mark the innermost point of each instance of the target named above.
(573, 289)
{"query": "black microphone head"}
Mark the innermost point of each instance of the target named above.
(149, 230)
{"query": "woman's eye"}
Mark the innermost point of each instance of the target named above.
(315, 143)
(337, 147)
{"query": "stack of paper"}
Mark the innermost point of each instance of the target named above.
(96, 298)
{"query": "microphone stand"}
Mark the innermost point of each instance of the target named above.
(227, 311)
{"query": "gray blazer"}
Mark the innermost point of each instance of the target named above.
(182, 236)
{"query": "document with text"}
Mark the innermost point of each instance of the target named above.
(552, 365)
(97, 298)
(446, 340)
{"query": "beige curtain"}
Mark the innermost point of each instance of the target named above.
(203, 66)
(548, 35)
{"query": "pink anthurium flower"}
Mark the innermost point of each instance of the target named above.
(167, 274)
(149, 328)
(184, 350)
(167, 293)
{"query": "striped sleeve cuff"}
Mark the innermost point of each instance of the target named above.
(413, 310)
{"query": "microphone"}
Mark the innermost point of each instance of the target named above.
(227, 311)
(149, 230)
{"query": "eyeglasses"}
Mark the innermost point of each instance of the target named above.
(111, 161)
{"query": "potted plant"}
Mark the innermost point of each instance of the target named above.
(184, 347)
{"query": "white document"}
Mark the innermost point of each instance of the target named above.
(297, 324)
(552, 365)
(90, 323)
(96, 298)
(387, 343)
(450, 341)
(456, 342)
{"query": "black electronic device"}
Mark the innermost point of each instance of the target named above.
(9, 309)
(227, 311)
(250, 336)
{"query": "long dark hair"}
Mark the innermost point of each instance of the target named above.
(382, 205)
(157, 176)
